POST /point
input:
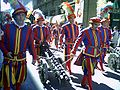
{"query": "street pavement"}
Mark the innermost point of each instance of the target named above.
(107, 80)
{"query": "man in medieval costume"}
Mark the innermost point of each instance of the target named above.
(91, 52)
(17, 39)
(70, 32)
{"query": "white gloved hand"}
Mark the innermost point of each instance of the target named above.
(9, 54)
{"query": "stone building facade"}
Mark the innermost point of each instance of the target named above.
(49, 7)
(52, 8)
(90, 10)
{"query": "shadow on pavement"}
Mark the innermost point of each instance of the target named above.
(100, 86)
(77, 80)
(95, 85)
(30, 83)
(112, 75)
(55, 84)
(118, 71)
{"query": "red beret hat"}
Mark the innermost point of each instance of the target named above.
(19, 9)
(40, 18)
(104, 19)
(94, 20)
(71, 15)
(8, 17)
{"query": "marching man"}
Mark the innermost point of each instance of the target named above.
(91, 52)
(41, 32)
(105, 34)
(70, 31)
(17, 39)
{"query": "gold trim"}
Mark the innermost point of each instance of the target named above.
(69, 43)
(91, 55)
(18, 11)
(15, 59)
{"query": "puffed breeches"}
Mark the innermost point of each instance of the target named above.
(89, 64)
(13, 73)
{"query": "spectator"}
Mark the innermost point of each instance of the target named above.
(115, 37)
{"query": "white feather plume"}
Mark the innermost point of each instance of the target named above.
(38, 13)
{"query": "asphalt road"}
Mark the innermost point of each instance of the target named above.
(107, 80)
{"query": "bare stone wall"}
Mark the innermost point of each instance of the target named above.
(90, 7)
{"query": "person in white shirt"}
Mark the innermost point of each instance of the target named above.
(115, 37)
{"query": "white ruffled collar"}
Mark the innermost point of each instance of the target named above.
(19, 25)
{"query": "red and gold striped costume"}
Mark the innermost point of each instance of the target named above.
(70, 31)
(41, 33)
(16, 40)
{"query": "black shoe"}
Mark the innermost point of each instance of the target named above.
(84, 86)
(105, 63)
